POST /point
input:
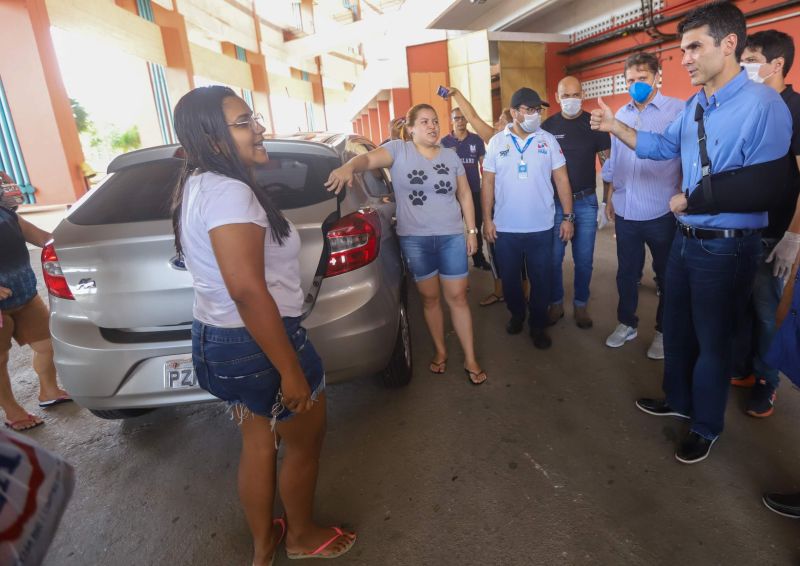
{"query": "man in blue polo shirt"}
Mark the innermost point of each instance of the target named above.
(519, 210)
(732, 123)
(471, 149)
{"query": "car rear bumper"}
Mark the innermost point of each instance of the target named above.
(353, 326)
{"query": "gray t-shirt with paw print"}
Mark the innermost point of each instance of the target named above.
(425, 190)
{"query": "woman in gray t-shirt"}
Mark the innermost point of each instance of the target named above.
(434, 202)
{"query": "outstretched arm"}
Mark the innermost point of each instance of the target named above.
(484, 130)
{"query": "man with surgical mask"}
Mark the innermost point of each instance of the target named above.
(519, 208)
(639, 191)
(767, 58)
(580, 145)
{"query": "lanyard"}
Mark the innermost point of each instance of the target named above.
(521, 151)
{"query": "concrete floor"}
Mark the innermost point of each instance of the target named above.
(547, 463)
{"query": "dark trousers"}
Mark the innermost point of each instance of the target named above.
(754, 336)
(534, 250)
(632, 236)
(708, 284)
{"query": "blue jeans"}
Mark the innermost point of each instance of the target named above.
(535, 250)
(427, 256)
(632, 236)
(767, 292)
(582, 250)
(231, 366)
(708, 285)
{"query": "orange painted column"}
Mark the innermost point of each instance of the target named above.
(383, 119)
(40, 108)
(365, 126)
(357, 127)
(179, 71)
(374, 126)
(401, 102)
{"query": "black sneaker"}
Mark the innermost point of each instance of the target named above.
(540, 338)
(514, 325)
(659, 408)
(694, 448)
(787, 504)
(762, 399)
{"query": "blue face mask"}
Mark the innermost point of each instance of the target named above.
(639, 91)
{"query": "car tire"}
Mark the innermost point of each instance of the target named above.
(398, 372)
(119, 413)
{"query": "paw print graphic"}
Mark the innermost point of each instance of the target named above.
(417, 177)
(418, 198)
(441, 169)
(443, 187)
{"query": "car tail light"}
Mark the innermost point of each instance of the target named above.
(53, 277)
(354, 242)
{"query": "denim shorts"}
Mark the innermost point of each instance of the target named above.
(231, 366)
(445, 256)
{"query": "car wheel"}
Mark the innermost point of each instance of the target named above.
(119, 413)
(398, 372)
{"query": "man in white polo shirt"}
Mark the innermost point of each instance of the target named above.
(517, 169)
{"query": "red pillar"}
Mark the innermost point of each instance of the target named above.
(374, 126)
(357, 127)
(383, 119)
(365, 125)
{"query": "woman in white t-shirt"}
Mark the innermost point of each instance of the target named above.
(248, 347)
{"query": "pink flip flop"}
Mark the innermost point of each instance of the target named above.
(29, 422)
(318, 553)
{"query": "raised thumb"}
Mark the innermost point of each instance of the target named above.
(602, 104)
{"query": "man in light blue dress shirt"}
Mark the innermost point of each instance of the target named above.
(638, 195)
(714, 257)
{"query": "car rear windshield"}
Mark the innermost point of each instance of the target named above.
(143, 192)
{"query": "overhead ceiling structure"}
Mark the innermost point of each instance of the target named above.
(531, 16)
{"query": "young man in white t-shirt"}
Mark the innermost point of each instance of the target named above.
(518, 209)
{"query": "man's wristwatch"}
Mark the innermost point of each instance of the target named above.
(472, 231)
(570, 217)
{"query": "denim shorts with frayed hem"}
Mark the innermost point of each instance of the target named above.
(445, 256)
(231, 366)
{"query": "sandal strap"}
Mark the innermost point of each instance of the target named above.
(339, 534)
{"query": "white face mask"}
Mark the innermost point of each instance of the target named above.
(571, 106)
(752, 70)
(531, 122)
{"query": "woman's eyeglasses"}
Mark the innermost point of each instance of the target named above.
(253, 122)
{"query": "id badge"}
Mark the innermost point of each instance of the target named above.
(522, 170)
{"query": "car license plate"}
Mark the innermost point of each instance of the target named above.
(179, 374)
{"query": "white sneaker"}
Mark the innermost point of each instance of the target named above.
(621, 335)
(656, 349)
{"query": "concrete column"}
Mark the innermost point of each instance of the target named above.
(40, 108)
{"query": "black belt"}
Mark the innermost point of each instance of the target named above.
(583, 194)
(711, 234)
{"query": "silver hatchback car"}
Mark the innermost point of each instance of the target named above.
(121, 300)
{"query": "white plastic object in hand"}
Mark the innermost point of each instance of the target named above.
(602, 219)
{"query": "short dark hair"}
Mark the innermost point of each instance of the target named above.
(722, 19)
(642, 59)
(773, 44)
